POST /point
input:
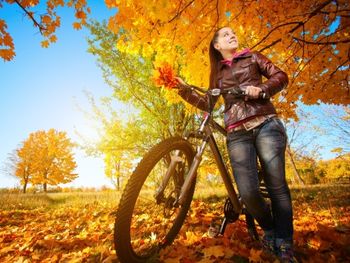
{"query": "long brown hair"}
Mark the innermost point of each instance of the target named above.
(215, 58)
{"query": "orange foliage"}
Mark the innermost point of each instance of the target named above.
(308, 39)
(46, 158)
(301, 37)
(165, 76)
(84, 233)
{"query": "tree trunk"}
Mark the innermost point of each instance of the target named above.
(25, 187)
(118, 175)
(118, 183)
(45, 182)
(296, 173)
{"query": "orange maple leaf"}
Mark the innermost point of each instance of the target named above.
(80, 14)
(45, 43)
(165, 76)
(254, 255)
(214, 251)
(77, 25)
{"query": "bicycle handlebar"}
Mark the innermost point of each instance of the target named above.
(232, 91)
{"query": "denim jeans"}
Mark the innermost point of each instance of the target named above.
(268, 143)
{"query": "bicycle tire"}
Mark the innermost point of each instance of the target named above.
(124, 245)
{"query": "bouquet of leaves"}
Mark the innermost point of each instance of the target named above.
(165, 76)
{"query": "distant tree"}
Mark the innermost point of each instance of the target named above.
(121, 140)
(337, 121)
(45, 158)
(335, 169)
(15, 168)
(301, 142)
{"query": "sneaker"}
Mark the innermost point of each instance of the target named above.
(268, 244)
(285, 252)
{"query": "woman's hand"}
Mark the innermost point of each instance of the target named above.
(180, 81)
(252, 92)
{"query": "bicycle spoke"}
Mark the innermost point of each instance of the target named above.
(156, 218)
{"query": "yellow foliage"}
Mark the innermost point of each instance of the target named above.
(179, 32)
(46, 158)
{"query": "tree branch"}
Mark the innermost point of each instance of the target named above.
(322, 43)
(180, 12)
(41, 28)
(299, 24)
(272, 44)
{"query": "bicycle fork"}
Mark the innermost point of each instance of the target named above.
(191, 175)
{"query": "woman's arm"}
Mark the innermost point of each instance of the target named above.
(188, 93)
(276, 78)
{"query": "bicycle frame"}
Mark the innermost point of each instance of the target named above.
(206, 134)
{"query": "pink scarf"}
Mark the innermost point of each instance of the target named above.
(235, 55)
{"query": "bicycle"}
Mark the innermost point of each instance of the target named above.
(159, 192)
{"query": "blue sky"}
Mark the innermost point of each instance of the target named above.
(40, 88)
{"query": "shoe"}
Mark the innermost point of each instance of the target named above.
(285, 252)
(268, 244)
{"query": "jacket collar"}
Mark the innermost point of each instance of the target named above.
(245, 53)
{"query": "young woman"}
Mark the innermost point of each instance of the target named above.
(253, 131)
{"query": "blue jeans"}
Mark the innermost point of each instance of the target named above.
(268, 143)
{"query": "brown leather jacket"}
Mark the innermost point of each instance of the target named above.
(246, 70)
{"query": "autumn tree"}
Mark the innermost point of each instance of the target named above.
(336, 121)
(44, 18)
(308, 39)
(335, 169)
(14, 167)
(130, 77)
(120, 139)
(46, 158)
(301, 141)
(124, 138)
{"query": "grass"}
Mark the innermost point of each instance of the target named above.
(55, 200)
(321, 196)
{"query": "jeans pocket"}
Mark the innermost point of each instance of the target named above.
(279, 125)
(281, 128)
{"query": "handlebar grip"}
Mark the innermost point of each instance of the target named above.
(262, 95)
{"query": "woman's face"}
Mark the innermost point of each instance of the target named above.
(226, 40)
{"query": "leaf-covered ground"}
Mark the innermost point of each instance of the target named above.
(83, 232)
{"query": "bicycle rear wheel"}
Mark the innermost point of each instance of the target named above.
(145, 223)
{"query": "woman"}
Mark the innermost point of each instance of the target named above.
(253, 131)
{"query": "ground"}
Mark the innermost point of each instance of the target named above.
(78, 227)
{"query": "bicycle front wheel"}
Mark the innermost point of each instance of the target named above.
(148, 220)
